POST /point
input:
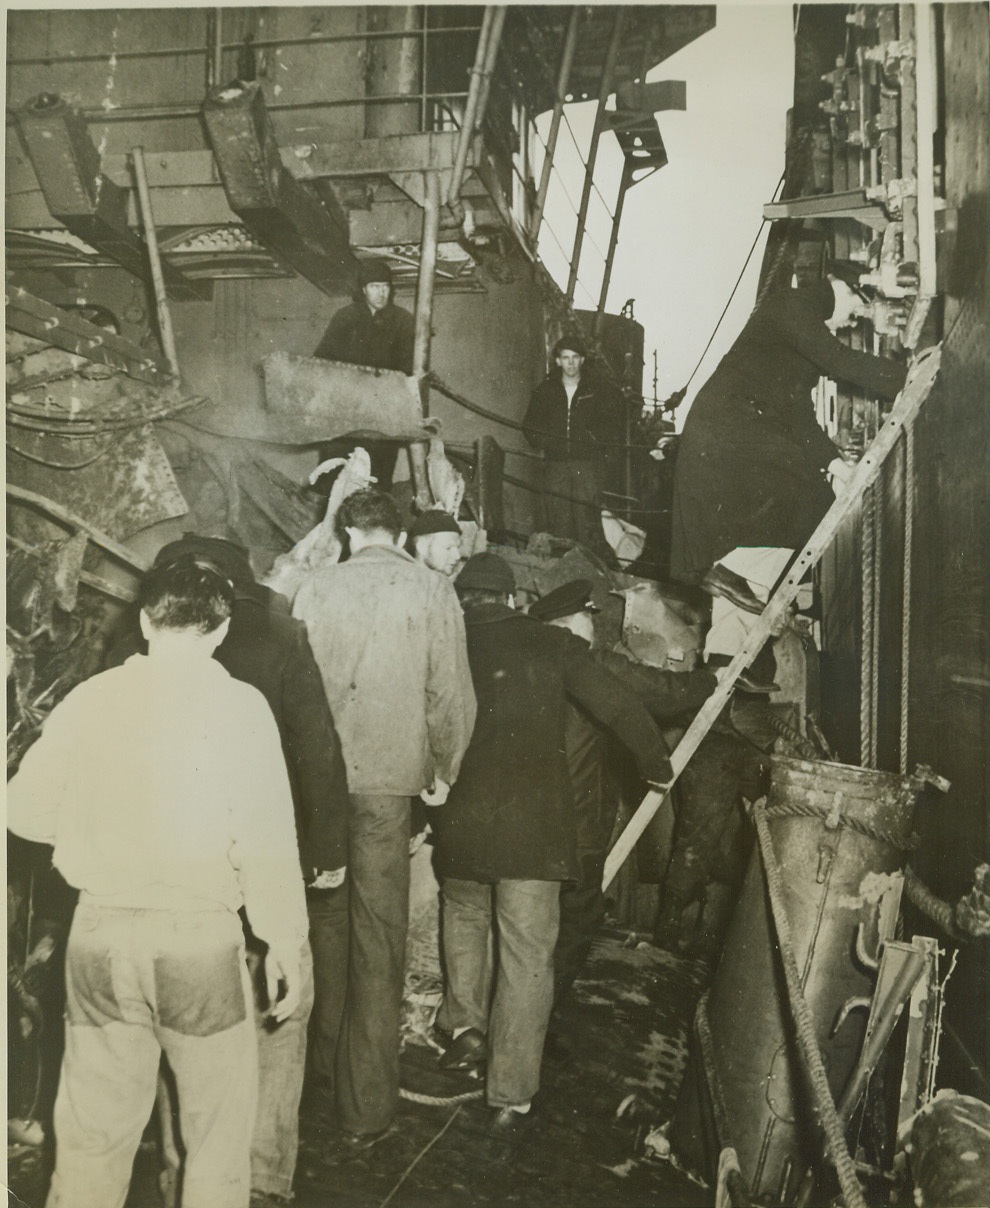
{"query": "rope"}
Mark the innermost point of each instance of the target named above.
(930, 905)
(439, 1100)
(877, 490)
(906, 592)
(742, 273)
(478, 409)
(808, 1044)
(903, 841)
(422, 1154)
(866, 669)
(794, 738)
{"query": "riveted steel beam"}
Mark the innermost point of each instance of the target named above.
(62, 328)
(285, 215)
(80, 196)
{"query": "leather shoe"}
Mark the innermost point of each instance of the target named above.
(464, 1053)
(509, 1123)
(720, 581)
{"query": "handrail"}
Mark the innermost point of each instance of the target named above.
(258, 44)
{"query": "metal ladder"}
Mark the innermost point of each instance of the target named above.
(902, 415)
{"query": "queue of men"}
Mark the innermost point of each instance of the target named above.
(234, 758)
(239, 756)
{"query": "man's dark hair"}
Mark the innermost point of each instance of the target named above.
(469, 596)
(368, 510)
(189, 593)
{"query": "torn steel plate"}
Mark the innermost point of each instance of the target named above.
(318, 400)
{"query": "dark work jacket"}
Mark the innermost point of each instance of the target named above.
(511, 813)
(266, 648)
(751, 461)
(664, 694)
(383, 340)
(596, 419)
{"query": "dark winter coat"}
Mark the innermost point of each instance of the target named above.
(383, 340)
(596, 424)
(511, 813)
(751, 461)
(266, 648)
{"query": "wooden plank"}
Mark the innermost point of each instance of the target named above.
(909, 402)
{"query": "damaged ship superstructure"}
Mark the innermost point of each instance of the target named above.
(193, 193)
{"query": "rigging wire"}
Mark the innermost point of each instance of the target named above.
(742, 273)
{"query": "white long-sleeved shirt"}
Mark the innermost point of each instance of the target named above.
(162, 784)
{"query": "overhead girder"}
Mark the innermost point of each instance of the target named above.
(300, 227)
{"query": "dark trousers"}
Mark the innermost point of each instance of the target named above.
(329, 939)
(367, 1067)
(573, 494)
(582, 912)
(709, 830)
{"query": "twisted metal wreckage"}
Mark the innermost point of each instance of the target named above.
(781, 1119)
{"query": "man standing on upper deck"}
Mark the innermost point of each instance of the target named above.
(371, 331)
(575, 419)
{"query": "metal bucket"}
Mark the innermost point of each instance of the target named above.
(840, 835)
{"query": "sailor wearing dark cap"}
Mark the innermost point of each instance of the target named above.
(570, 599)
(575, 418)
(586, 743)
(505, 835)
(371, 331)
(434, 539)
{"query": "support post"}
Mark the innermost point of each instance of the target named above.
(613, 242)
(563, 80)
(474, 108)
(307, 231)
(424, 324)
(78, 193)
(604, 91)
(217, 63)
(157, 279)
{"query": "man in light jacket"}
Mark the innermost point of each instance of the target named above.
(388, 636)
(162, 787)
